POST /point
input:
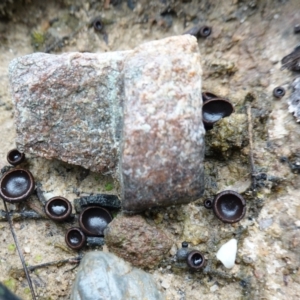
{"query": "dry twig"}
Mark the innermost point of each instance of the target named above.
(19, 251)
(250, 133)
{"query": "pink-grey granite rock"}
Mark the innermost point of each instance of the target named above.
(136, 114)
(163, 144)
(69, 107)
(136, 241)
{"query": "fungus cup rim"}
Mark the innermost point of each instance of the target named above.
(276, 90)
(221, 215)
(208, 96)
(203, 29)
(16, 161)
(82, 235)
(62, 217)
(226, 114)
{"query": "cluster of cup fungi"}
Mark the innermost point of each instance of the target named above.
(228, 206)
(18, 185)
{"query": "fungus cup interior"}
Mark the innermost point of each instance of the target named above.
(16, 185)
(230, 207)
(215, 109)
(279, 92)
(205, 31)
(58, 207)
(195, 259)
(208, 203)
(93, 220)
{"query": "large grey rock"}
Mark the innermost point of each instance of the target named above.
(133, 239)
(104, 276)
(136, 114)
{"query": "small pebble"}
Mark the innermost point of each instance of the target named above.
(27, 249)
(165, 284)
(17, 226)
(214, 288)
(227, 253)
(297, 223)
(265, 223)
(173, 250)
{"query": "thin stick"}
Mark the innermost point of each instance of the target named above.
(250, 133)
(16, 216)
(19, 251)
(51, 263)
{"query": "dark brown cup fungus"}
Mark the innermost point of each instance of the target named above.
(199, 31)
(279, 92)
(205, 31)
(229, 206)
(75, 238)
(98, 25)
(214, 110)
(94, 219)
(195, 260)
(16, 185)
(15, 157)
(58, 209)
(208, 203)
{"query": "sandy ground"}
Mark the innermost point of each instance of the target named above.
(241, 61)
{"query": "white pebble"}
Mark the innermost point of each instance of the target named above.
(227, 253)
(27, 249)
(214, 288)
(48, 195)
(165, 284)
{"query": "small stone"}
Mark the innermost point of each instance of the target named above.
(133, 239)
(227, 253)
(214, 288)
(27, 249)
(182, 253)
(173, 250)
(104, 276)
(165, 284)
(297, 223)
(17, 226)
(265, 223)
